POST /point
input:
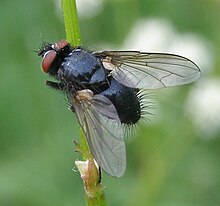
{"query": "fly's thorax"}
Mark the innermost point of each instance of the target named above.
(82, 69)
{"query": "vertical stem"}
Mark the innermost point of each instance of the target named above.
(71, 22)
(88, 169)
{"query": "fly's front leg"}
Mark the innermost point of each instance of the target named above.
(55, 85)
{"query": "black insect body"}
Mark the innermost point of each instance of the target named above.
(104, 90)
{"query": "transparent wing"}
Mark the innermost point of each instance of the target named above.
(149, 70)
(104, 133)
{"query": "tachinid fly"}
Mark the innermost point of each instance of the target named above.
(104, 90)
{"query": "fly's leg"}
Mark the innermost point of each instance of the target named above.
(55, 85)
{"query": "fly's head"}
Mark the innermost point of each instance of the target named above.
(53, 56)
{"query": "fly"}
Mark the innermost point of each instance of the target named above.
(105, 91)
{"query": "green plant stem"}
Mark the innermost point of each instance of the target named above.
(71, 22)
(88, 169)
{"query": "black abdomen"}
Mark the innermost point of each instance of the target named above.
(125, 100)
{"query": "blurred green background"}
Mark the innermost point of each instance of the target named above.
(175, 158)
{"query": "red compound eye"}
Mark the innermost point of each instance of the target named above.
(60, 44)
(48, 59)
